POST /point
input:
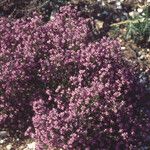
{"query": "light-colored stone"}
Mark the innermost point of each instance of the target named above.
(140, 10)
(123, 48)
(141, 57)
(8, 147)
(31, 146)
(2, 141)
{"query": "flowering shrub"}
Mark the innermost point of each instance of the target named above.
(26, 47)
(65, 90)
(17, 83)
(95, 105)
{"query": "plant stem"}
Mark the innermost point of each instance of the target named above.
(128, 21)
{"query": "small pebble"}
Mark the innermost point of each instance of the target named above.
(147, 56)
(2, 141)
(118, 3)
(31, 145)
(22, 147)
(141, 57)
(140, 53)
(123, 48)
(8, 147)
(140, 10)
(133, 14)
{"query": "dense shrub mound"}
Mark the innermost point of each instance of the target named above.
(65, 90)
(26, 47)
(96, 105)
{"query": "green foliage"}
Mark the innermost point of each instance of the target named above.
(138, 28)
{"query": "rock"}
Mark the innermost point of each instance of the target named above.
(99, 24)
(2, 141)
(22, 147)
(141, 57)
(133, 14)
(140, 10)
(123, 48)
(3, 134)
(30, 146)
(8, 147)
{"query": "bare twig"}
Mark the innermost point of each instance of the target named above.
(128, 21)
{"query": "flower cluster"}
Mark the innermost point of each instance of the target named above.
(29, 50)
(66, 91)
(95, 105)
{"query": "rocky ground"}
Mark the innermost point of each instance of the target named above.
(8, 143)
